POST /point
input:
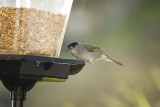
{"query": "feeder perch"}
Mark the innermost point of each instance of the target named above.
(20, 73)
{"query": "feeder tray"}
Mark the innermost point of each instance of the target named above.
(19, 73)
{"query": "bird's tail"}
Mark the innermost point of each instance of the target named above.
(112, 60)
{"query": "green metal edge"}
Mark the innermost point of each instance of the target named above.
(46, 79)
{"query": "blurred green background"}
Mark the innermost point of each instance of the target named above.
(129, 31)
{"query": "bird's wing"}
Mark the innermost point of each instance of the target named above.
(92, 48)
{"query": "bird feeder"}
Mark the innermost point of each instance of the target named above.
(31, 35)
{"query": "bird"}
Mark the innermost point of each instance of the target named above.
(89, 53)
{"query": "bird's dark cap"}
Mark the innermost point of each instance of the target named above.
(73, 44)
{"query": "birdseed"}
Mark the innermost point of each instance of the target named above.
(28, 31)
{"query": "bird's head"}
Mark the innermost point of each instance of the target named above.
(72, 46)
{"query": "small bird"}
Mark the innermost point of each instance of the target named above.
(89, 53)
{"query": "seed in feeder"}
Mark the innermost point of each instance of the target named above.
(28, 31)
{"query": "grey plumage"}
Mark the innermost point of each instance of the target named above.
(89, 53)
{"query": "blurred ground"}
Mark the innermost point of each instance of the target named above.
(129, 31)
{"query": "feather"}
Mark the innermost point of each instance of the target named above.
(113, 60)
(92, 48)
